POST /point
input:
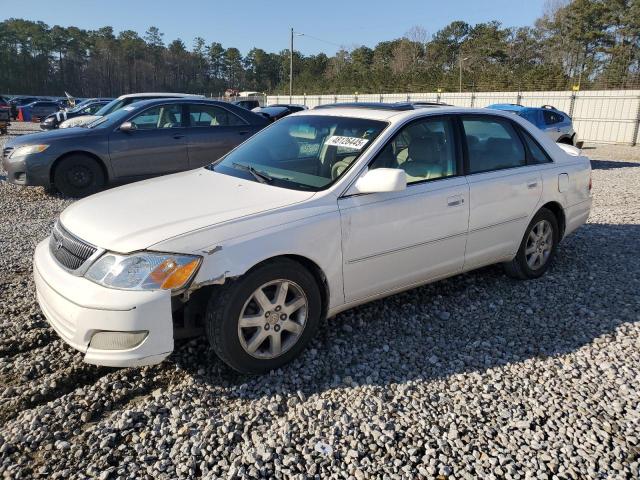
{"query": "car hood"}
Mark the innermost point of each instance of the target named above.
(75, 121)
(139, 215)
(46, 137)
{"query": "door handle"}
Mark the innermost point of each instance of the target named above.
(178, 136)
(455, 200)
(532, 183)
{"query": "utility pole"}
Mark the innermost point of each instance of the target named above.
(291, 67)
(460, 78)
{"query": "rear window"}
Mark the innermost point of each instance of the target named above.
(552, 117)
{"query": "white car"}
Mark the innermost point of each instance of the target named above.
(118, 103)
(324, 210)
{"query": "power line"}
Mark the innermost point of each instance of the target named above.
(300, 34)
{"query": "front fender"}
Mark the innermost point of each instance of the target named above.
(316, 238)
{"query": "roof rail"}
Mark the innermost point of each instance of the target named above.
(398, 106)
(430, 104)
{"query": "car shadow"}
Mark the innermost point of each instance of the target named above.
(612, 164)
(469, 323)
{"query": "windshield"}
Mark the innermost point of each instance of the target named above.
(111, 118)
(112, 106)
(80, 106)
(307, 152)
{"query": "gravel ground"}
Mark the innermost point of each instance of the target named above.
(475, 376)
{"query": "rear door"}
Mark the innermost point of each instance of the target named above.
(553, 123)
(157, 145)
(503, 189)
(213, 131)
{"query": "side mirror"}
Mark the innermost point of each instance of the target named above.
(380, 180)
(127, 127)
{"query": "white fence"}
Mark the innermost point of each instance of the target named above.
(605, 116)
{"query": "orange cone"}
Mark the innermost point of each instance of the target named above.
(20, 118)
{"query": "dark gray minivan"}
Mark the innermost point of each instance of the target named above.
(144, 139)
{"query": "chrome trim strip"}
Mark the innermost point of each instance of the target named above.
(524, 217)
(408, 247)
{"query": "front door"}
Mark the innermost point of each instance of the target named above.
(395, 240)
(157, 145)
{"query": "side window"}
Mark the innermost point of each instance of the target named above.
(163, 116)
(551, 118)
(493, 144)
(424, 149)
(213, 116)
(537, 154)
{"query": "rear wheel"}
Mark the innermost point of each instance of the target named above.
(266, 318)
(537, 249)
(78, 176)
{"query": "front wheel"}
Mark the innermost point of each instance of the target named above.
(537, 249)
(266, 318)
(78, 176)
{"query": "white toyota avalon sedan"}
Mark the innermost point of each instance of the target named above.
(322, 211)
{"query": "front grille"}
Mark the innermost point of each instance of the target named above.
(69, 251)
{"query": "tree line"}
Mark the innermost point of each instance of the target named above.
(585, 43)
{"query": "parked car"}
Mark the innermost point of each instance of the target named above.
(118, 103)
(248, 104)
(41, 108)
(558, 125)
(88, 107)
(143, 139)
(321, 211)
(5, 115)
(16, 102)
(293, 107)
(5, 120)
(276, 112)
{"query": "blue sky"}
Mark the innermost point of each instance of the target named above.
(249, 23)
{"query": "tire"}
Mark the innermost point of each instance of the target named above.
(236, 322)
(78, 176)
(527, 265)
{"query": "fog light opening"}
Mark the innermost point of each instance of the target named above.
(117, 340)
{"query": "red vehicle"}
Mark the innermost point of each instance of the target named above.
(5, 115)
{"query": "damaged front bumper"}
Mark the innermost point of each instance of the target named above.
(115, 328)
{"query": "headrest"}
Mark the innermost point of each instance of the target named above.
(423, 150)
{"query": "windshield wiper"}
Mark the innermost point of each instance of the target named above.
(259, 176)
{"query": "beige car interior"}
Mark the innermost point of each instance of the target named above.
(422, 153)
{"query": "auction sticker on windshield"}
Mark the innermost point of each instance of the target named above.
(347, 142)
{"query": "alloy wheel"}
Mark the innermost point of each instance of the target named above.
(539, 245)
(273, 319)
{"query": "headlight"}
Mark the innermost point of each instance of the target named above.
(144, 271)
(28, 149)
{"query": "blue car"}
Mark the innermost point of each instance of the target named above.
(558, 125)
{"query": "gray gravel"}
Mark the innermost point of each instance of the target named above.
(478, 376)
